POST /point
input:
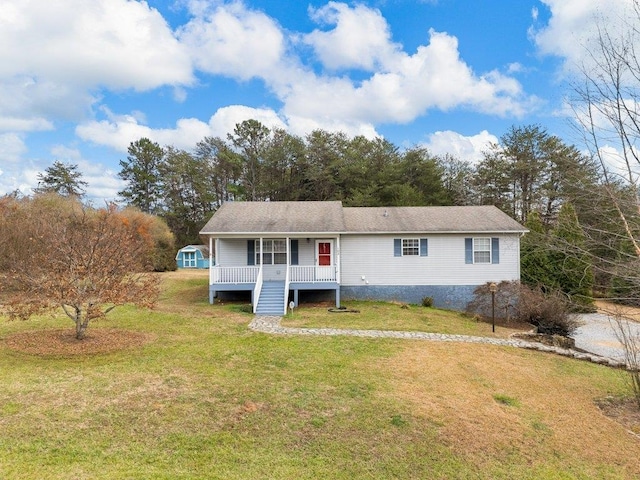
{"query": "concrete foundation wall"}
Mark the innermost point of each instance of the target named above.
(452, 297)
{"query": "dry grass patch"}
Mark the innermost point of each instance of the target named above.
(626, 311)
(63, 342)
(551, 412)
(624, 411)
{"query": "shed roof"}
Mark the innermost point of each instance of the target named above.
(190, 248)
(331, 217)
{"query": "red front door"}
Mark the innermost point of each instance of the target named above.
(324, 254)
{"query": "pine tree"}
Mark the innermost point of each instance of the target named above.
(141, 171)
(63, 179)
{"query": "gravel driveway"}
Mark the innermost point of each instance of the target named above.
(597, 336)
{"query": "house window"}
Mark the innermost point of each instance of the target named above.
(482, 250)
(274, 252)
(189, 259)
(410, 246)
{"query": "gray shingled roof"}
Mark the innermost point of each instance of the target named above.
(428, 219)
(277, 217)
(331, 217)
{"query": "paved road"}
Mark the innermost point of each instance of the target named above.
(597, 336)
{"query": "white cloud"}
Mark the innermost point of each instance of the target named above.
(118, 131)
(73, 52)
(12, 147)
(361, 37)
(22, 174)
(103, 183)
(233, 41)
(54, 54)
(115, 43)
(12, 177)
(469, 148)
(434, 77)
(534, 13)
(572, 30)
(303, 125)
(21, 177)
(226, 118)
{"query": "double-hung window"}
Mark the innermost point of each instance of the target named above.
(274, 252)
(482, 250)
(410, 246)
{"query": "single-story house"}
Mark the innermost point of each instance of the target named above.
(277, 249)
(193, 256)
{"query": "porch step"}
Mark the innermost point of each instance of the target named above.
(271, 301)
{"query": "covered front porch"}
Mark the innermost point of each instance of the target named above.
(276, 269)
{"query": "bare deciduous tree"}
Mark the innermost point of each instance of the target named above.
(58, 253)
(608, 117)
(607, 114)
(630, 340)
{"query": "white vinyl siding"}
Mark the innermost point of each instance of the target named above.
(233, 252)
(372, 257)
(306, 251)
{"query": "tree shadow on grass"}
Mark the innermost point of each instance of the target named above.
(62, 342)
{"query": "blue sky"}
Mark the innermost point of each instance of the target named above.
(81, 80)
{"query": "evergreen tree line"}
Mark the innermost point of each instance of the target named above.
(529, 170)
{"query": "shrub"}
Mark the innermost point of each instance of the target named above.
(427, 301)
(549, 312)
(507, 294)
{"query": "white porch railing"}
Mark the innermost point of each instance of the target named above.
(296, 273)
(257, 289)
(313, 273)
(233, 275)
(287, 281)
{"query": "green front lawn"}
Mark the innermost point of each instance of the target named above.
(209, 399)
(367, 315)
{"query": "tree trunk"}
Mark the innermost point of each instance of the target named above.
(81, 329)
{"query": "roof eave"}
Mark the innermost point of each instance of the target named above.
(377, 232)
(271, 234)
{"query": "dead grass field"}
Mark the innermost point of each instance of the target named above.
(491, 402)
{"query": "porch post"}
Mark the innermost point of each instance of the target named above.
(338, 259)
(338, 271)
(261, 259)
(211, 291)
